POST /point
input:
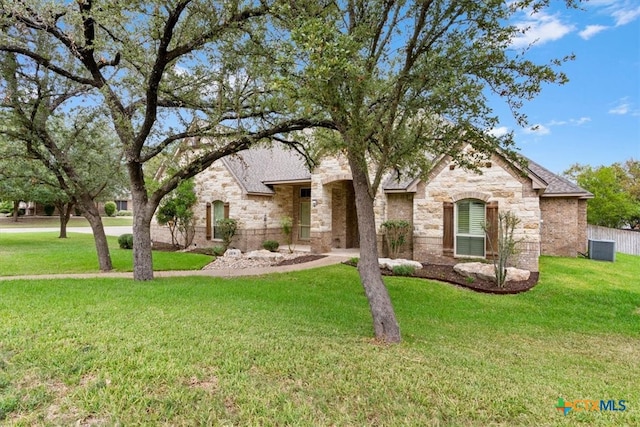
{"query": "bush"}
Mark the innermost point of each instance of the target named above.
(110, 208)
(218, 250)
(287, 229)
(6, 207)
(227, 228)
(396, 232)
(271, 245)
(403, 270)
(125, 241)
(49, 209)
(124, 213)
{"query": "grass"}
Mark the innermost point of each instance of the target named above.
(296, 349)
(54, 221)
(45, 253)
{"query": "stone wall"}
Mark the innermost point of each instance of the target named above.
(564, 226)
(496, 182)
(258, 215)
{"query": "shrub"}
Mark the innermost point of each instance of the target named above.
(403, 270)
(354, 261)
(505, 247)
(49, 209)
(227, 228)
(110, 208)
(218, 250)
(125, 241)
(6, 207)
(124, 213)
(396, 231)
(271, 245)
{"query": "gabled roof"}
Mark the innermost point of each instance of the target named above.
(543, 179)
(256, 168)
(557, 186)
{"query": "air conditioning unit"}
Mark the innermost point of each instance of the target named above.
(602, 250)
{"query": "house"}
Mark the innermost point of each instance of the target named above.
(447, 209)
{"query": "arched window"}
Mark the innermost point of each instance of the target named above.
(470, 234)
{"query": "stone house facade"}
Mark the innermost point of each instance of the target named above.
(447, 210)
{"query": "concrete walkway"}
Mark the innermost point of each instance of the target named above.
(329, 259)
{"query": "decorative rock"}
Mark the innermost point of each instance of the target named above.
(390, 263)
(233, 253)
(482, 271)
(264, 254)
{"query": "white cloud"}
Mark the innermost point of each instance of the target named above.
(499, 131)
(626, 15)
(540, 28)
(580, 121)
(621, 109)
(538, 129)
(591, 30)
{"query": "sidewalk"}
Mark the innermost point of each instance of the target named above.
(329, 259)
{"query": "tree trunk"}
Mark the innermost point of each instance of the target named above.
(16, 208)
(64, 213)
(91, 213)
(385, 325)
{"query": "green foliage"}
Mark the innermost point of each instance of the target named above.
(110, 208)
(616, 202)
(218, 250)
(271, 245)
(176, 212)
(124, 213)
(403, 270)
(354, 261)
(227, 228)
(125, 241)
(396, 232)
(6, 207)
(286, 223)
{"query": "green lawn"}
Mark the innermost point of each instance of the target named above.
(296, 349)
(54, 221)
(45, 253)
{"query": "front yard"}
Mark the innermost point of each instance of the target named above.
(296, 349)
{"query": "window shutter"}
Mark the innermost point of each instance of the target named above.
(447, 233)
(491, 248)
(208, 222)
(226, 210)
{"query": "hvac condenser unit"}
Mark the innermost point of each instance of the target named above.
(603, 250)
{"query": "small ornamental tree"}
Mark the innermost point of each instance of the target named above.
(505, 247)
(176, 212)
(396, 232)
(286, 223)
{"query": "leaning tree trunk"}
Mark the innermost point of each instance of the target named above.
(142, 214)
(385, 325)
(92, 214)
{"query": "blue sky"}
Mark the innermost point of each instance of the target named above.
(595, 118)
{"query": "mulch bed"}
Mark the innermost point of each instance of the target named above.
(445, 273)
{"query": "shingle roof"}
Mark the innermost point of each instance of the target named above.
(557, 185)
(256, 167)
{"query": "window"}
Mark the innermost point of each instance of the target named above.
(220, 211)
(305, 193)
(121, 205)
(470, 235)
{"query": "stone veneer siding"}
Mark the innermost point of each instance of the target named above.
(564, 226)
(258, 215)
(497, 183)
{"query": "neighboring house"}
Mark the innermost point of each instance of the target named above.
(447, 210)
